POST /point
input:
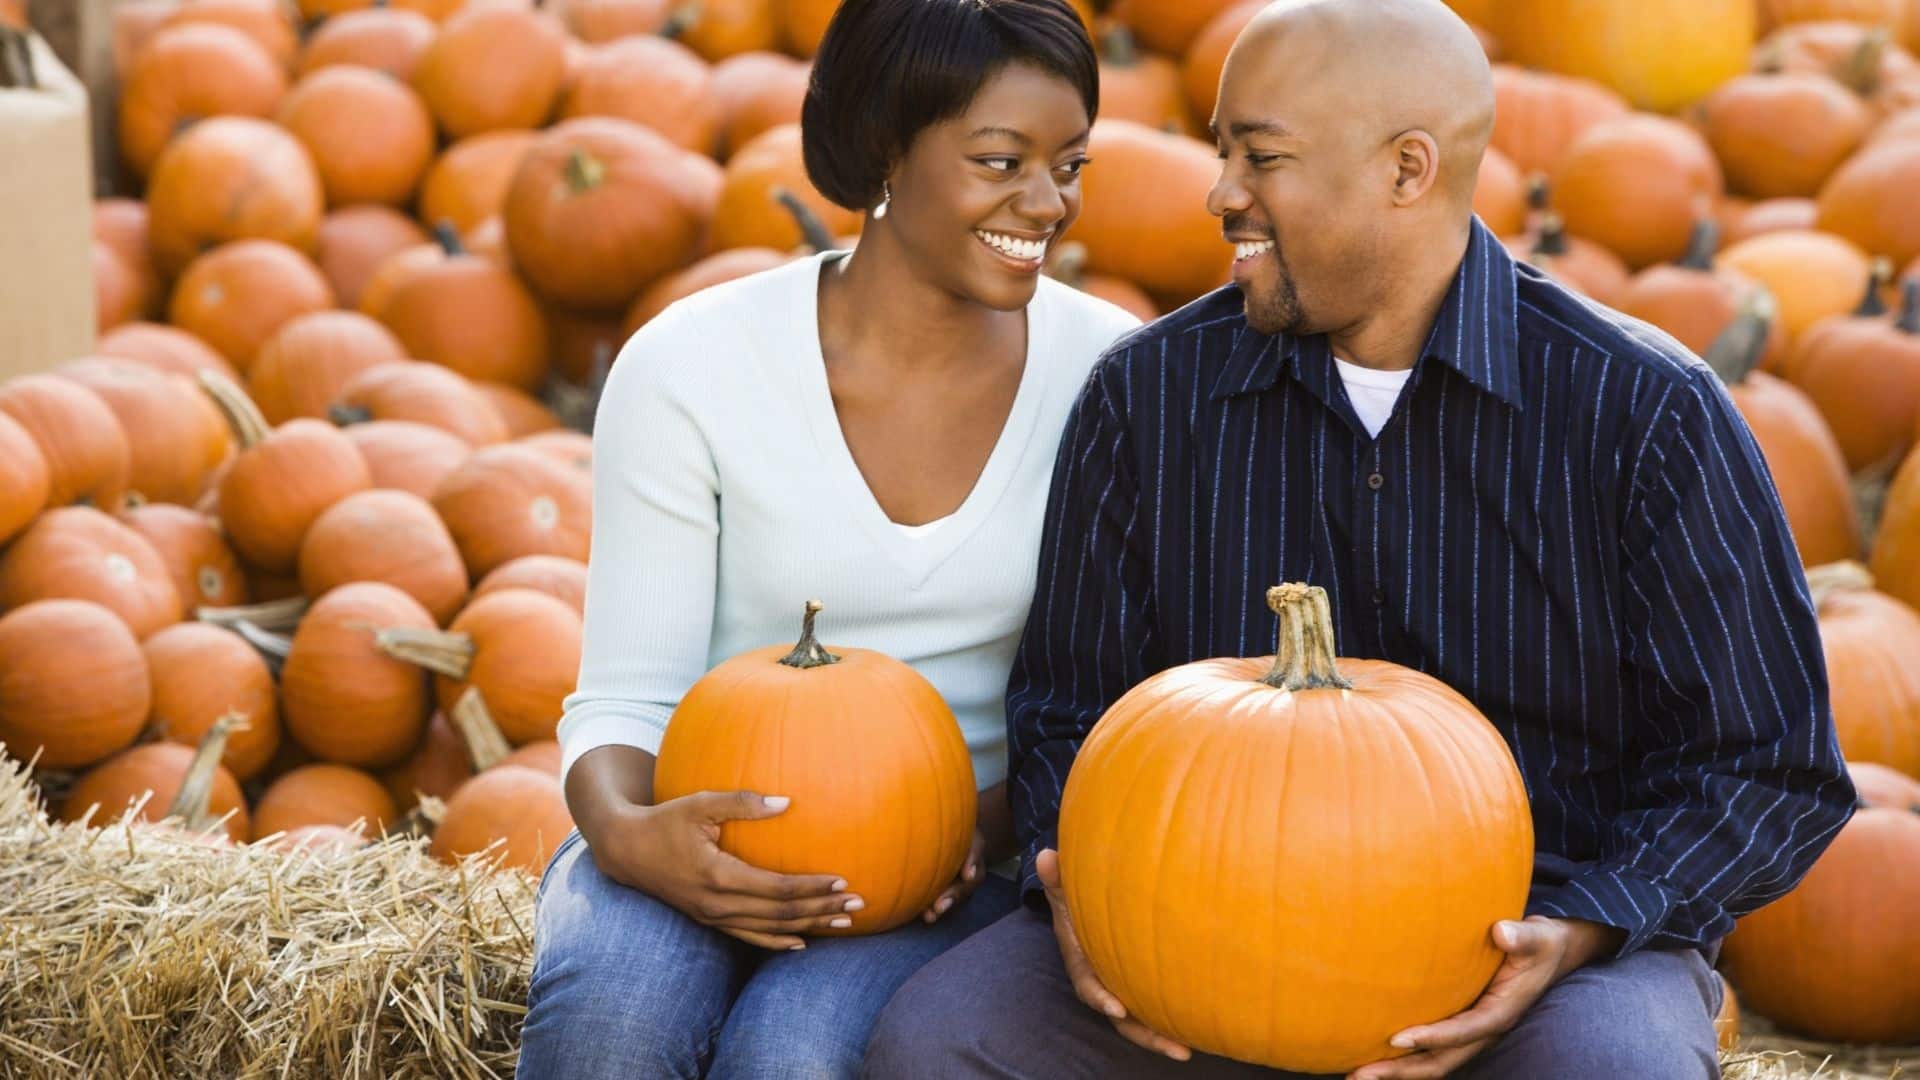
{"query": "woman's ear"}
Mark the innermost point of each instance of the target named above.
(1416, 166)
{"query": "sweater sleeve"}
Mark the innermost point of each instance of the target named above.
(651, 576)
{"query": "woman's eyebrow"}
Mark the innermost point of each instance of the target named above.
(1010, 133)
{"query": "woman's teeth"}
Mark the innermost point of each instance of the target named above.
(1245, 250)
(1012, 246)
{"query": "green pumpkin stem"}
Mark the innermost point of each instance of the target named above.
(1539, 192)
(448, 238)
(1860, 71)
(348, 415)
(1737, 351)
(1303, 658)
(1909, 320)
(196, 787)
(1118, 48)
(583, 171)
(813, 231)
(684, 18)
(809, 653)
(1702, 245)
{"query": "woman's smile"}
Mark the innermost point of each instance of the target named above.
(1023, 255)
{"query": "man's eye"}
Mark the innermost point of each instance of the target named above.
(1261, 160)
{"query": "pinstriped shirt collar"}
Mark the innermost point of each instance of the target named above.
(1476, 333)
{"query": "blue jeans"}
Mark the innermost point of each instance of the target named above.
(626, 986)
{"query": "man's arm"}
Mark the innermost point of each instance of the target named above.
(1089, 634)
(1738, 782)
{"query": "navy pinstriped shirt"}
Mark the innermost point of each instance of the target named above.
(1564, 519)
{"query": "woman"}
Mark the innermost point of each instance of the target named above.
(876, 429)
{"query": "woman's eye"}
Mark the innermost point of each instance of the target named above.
(1072, 168)
(1002, 164)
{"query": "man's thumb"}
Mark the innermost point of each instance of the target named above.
(1512, 936)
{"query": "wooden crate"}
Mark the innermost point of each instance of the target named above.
(46, 220)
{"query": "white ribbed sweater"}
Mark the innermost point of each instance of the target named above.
(724, 497)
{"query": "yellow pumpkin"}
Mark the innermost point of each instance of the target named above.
(1661, 55)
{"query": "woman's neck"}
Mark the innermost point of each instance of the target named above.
(877, 307)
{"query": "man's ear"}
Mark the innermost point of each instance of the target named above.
(1416, 166)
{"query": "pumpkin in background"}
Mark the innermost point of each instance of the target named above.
(793, 721)
(164, 348)
(24, 480)
(1659, 55)
(73, 683)
(79, 553)
(324, 794)
(720, 29)
(1834, 958)
(437, 767)
(1636, 185)
(510, 500)
(240, 294)
(1812, 275)
(201, 673)
(748, 214)
(1538, 115)
(520, 411)
(1899, 15)
(369, 134)
(492, 66)
(382, 38)
(1771, 215)
(1884, 787)
(154, 774)
(1864, 374)
(421, 392)
(756, 91)
(1144, 215)
(715, 269)
(231, 178)
(659, 84)
(1869, 639)
(264, 22)
(520, 648)
(803, 23)
(1067, 264)
(525, 811)
(597, 21)
(1499, 195)
(343, 699)
(570, 448)
(1692, 300)
(1781, 135)
(1140, 86)
(282, 479)
(387, 536)
(1169, 26)
(354, 240)
(301, 369)
(468, 183)
(1726, 1023)
(407, 456)
(1393, 786)
(559, 577)
(80, 441)
(175, 437)
(186, 74)
(1896, 547)
(1586, 267)
(1201, 66)
(461, 311)
(117, 298)
(205, 571)
(602, 207)
(1871, 201)
(121, 224)
(543, 756)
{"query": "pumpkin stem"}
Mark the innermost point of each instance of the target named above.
(277, 615)
(1737, 351)
(479, 734)
(1844, 576)
(196, 787)
(448, 238)
(348, 415)
(422, 820)
(813, 231)
(1539, 192)
(273, 648)
(1860, 71)
(1702, 245)
(583, 171)
(1909, 320)
(1553, 235)
(1118, 48)
(442, 652)
(684, 18)
(1878, 275)
(242, 415)
(1304, 656)
(1070, 264)
(809, 653)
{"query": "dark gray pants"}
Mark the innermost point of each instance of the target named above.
(999, 1005)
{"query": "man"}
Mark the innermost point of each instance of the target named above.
(1547, 505)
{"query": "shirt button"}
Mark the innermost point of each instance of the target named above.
(1376, 481)
(1379, 597)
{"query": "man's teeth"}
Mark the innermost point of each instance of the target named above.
(1245, 250)
(1012, 245)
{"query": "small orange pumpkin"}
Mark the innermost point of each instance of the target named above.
(205, 571)
(187, 73)
(1585, 266)
(1864, 374)
(524, 811)
(73, 683)
(301, 369)
(154, 775)
(369, 134)
(264, 22)
(1813, 275)
(1636, 185)
(201, 673)
(324, 794)
(79, 553)
(24, 480)
(562, 578)
(468, 182)
(1692, 300)
(1782, 135)
(492, 66)
(421, 392)
(80, 440)
(757, 91)
(175, 437)
(511, 500)
(1868, 637)
(461, 311)
(388, 536)
(355, 240)
(240, 294)
(520, 648)
(406, 456)
(343, 699)
(748, 214)
(164, 348)
(385, 39)
(231, 178)
(659, 84)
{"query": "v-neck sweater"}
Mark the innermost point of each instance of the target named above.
(725, 497)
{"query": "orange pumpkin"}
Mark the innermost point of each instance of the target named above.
(719, 29)
(343, 699)
(1585, 266)
(523, 811)
(1770, 215)
(1896, 546)
(520, 411)
(121, 224)
(1726, 1023)
(324, 794)
(437, 767)
(1833, 959)
(748, 214)
(79, 553)
(1170, 26)
(1499, 195)
(520, 648)
(898, 837)
(164, 348)
(1538, 115)
(205, 571)
(1813, 275)
(80, 441)
(1140, 86)
(1901, 16)
(408, 456)
(1692, 300)
(468, 183)
(492, 66)
(461, 311)
(600, 208)
(24, 480)
(369, 134)
(384, 38)
(511, 500)
(1661, 56)
(201, 673)
(756, 91)
(264, 22)
(302, 368)
(423, 393)
(388, 536)
(1868, 638)
(73, 683)
(355, 240)
(1365, 742)
(152, 775)
(1067, 263)
(1636, 185)
(1864, 374)
(175, 438)
(562, 578)
(803, 23)
(661, 85)
(715, 269)
(1870, 200)
(570, 448)
(117, 298)
(231, 178)
(1781, 135)
(240, 294)
(598, 21)
(188, 73)
(1144, 212)
(542, 757)
(1884, 787)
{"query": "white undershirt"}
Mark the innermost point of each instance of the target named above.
(1372, 392)
(924, 528)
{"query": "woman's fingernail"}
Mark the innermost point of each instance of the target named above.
(1402, 1042)
(776, 802)
(968, 872)
(854, 904)
(796, 946)
(1116, 1010)
(840, 885)
(842, 922)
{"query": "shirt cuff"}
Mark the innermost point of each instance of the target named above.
(582, 731)
(1629, 902)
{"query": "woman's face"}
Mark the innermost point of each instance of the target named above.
(979, 199)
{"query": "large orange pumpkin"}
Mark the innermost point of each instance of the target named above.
(1813, 275)
(73, 683)
(231, 178)
(520, 648)
(23, 478)
(389, 536)
(153, 775)
(757, 91)
(175, 437)
(1870, 200)
(385, 39)
(205, 571)
(1884, 787)
(492, 66)
(524, 811)
(801, 721)
(201, 673)
(324, 794)
(1375, 783)
(1538, 115)
(81, 445)
(1835, 958)
(343, 699)
(1869, 639)
(353, 242)
(424, 393)
(511, 500)
(1636, 185)
(240, 294)
(749, 215)
(185, 74)
(468, 183)
(462, 311)
(302, 368)
(369, 134)
(79, 553)
(1660, 55)
(1140, 86)
(407, 456)
(1781, 135)
(1144, 212)
(1864, 374)
(659, 84)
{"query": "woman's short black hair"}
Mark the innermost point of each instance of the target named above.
(887, 69)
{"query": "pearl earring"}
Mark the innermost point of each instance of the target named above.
(886, 196)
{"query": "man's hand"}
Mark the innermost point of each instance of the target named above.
(1085, 983)
(962, 887)
(1540, 952)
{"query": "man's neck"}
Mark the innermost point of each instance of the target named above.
(1390, 335)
